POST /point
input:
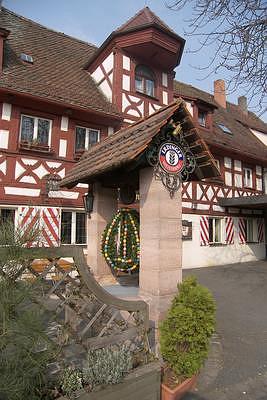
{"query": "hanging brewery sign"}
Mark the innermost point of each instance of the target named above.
(171, 158)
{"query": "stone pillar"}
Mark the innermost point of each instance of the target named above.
(160, 244)
(105, 205)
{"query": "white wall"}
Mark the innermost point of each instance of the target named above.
(195, 256)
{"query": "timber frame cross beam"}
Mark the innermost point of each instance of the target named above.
(124, 149)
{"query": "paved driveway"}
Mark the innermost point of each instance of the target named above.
(237, 365)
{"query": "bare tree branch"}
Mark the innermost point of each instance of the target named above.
(238, 30)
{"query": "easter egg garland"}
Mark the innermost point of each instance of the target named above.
(120, 241)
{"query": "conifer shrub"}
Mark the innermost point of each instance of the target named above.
(25, 349)
(186, 331)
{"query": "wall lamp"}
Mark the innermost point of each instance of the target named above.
(88, 202)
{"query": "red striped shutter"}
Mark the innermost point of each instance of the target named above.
(204, 231)
(46, 220)
(50, 226)
(229, 230)
(242, 231)
(29, 220)
(260, 223)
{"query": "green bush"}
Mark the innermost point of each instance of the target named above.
(186, 331)
(25, 349)
(107, 366)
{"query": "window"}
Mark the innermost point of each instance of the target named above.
(86, 137)
(73, 227)
(250, 230)
(35, 129)
(7, 215)
(248, 177)
(144, 80)
(202, 118)
(225, 129)
(216, 230)
(26, 58)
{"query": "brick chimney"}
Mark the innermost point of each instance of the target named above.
(219, 92)
(243, 104)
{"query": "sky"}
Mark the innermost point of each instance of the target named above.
(93, 20)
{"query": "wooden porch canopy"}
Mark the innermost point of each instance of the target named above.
(258, 202)
(120, 155)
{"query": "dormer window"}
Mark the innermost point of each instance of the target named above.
(202, 118)
(144, 80)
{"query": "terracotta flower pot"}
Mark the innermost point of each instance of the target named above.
(179, 391)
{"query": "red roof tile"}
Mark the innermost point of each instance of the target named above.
(57, 72)
(125, 145)
(242, 140)
(142, 18)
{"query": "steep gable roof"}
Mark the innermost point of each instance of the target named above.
(57, 73)
(141, 19)
(241, 139)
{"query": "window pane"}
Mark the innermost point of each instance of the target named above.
(7, 215)
(80, 138)
(210, 230)
(27, 127)
(150, 87)
(43, 131)
(93, 137)
(80, 228)
(143, 70)
(202, 118)
(217, 238)
(66, 227)
(139, 84)
(249, 230)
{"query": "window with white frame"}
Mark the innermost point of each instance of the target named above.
(73, 227)
(144, 80)
(86, 137)
(35, 129)
(250, 230)
(248, 182)
(216, 230)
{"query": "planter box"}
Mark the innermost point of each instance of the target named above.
(179, 391)
(141, 384)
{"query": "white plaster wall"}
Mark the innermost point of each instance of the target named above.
(6, 111)
(64, 126)
(126, 62)
(195, 256)
(189, 107)
(164, 79)
(4, 137)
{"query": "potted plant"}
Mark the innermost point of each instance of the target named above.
(184, 338)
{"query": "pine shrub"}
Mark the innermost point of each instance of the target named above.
(186, 331)
(25, 349)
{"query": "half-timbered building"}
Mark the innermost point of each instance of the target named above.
(60, 95)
